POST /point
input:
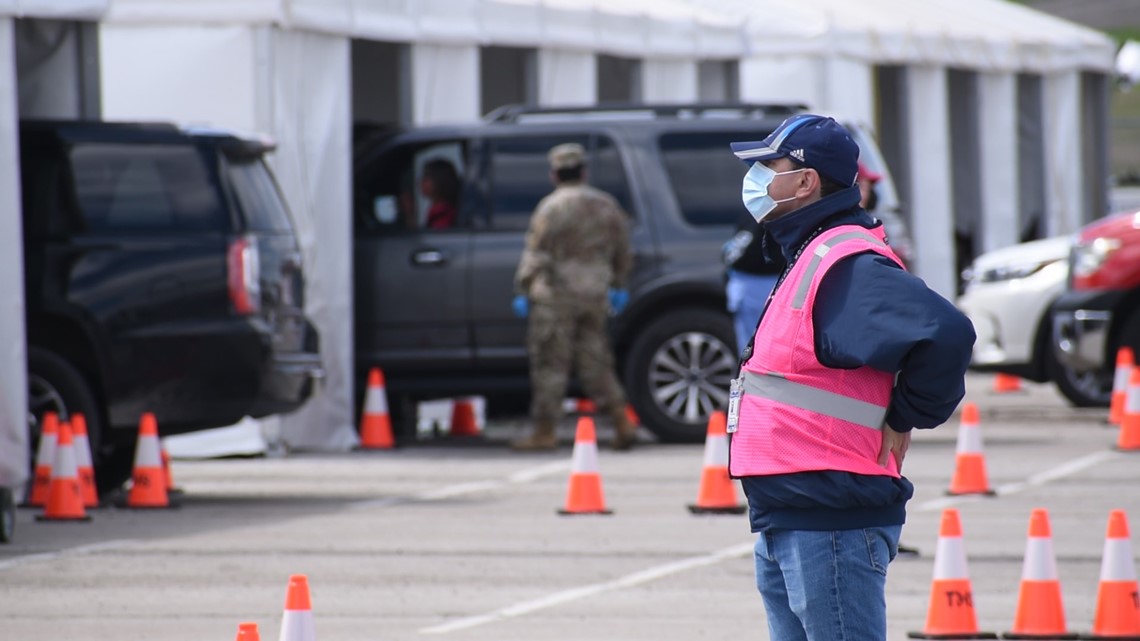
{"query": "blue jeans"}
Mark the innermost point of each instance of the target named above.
(826, 586)
(747, 294)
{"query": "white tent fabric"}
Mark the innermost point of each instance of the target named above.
(14, 389)
(998, 158)
(567, 77)
(57, 9)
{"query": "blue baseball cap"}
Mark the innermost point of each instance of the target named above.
(813, 141)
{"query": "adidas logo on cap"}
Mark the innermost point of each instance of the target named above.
(798, 154)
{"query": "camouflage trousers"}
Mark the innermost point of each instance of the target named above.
(561, 339)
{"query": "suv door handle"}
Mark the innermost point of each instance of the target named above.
(429, 257)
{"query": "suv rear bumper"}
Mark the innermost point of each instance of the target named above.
(1081, 325)
(287, 381)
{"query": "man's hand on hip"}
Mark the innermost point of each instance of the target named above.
(896, 442)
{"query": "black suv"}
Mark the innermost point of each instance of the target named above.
(433, 303)
(162, 274)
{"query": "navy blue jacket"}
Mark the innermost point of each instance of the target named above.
(868, 312)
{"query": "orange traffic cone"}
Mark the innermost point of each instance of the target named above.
(950, 614)
(1040, 613)
(65, 501)
(171, 489)
(248, 632)
(463, 418)
(1125, 361)
(1005, 383)
(631, 415)
(1117, 607)
(717, 493)
(375, 424)
(83, 464)
(148, 483)
(969, 463)
(45, 457)
(297, 622)
(584, 493)
(1129, 438)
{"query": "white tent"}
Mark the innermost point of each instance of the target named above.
(824, 53)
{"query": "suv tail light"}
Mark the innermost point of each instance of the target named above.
(244, 277)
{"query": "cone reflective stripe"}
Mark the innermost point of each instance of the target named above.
(248, 632)
(297, 621)
(65, 502)
(1125, 360)
(969, 462)
(463, 418)
(83, 463)
(1129, 438)
(45, 458)
(148, 483)
(1040, 611)
(375, 423)
(584, 492)
(1118, 596)
(950, 614)
(717, 492)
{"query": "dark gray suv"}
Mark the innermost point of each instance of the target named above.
(433, 293)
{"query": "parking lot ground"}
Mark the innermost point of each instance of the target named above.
(463, 543)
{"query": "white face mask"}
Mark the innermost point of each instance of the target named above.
(754, 192)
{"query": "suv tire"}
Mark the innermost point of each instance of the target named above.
(54, 384)
(678, 371)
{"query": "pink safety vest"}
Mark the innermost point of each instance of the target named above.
(797, 415)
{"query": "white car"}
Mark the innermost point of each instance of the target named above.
(1007, 297)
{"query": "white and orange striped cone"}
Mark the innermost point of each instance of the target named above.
(584, 492)
(1040, 611)
(247, 631)
(950, 614)
(65, 502)
(297, 621)
(463, 421)
(717, 493)
(375, 423)
(83, 463)
(1117, 604)
(1125, 361)
(148, 482)
(1129, 438)
(969, 461)
(45, 458)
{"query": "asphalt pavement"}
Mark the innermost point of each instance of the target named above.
(461, 540)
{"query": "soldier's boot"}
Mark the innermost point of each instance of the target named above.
(625, 432)
(542, 438)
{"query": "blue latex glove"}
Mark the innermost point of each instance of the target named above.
(619, 298)
(520, 305)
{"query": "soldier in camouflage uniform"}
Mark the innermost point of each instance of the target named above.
(577, 252)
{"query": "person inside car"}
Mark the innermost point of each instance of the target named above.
(440, 184)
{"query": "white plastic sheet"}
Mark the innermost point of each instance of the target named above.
(14, 386)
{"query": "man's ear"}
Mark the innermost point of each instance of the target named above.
(809, 183)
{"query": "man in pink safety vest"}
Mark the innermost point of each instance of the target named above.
(851, 353)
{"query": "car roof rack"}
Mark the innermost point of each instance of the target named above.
(518, 113)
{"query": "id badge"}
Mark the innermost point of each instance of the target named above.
(735, 392)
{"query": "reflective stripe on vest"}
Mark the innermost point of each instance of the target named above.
(775, 387)
(817, 258)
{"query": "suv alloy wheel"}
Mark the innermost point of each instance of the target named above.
(678, 372)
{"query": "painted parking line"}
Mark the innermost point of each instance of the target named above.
(1061, 471)
(657, 572)
(573, 594)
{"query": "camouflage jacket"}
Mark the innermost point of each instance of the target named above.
(577, 247)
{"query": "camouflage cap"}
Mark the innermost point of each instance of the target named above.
(566, 155)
